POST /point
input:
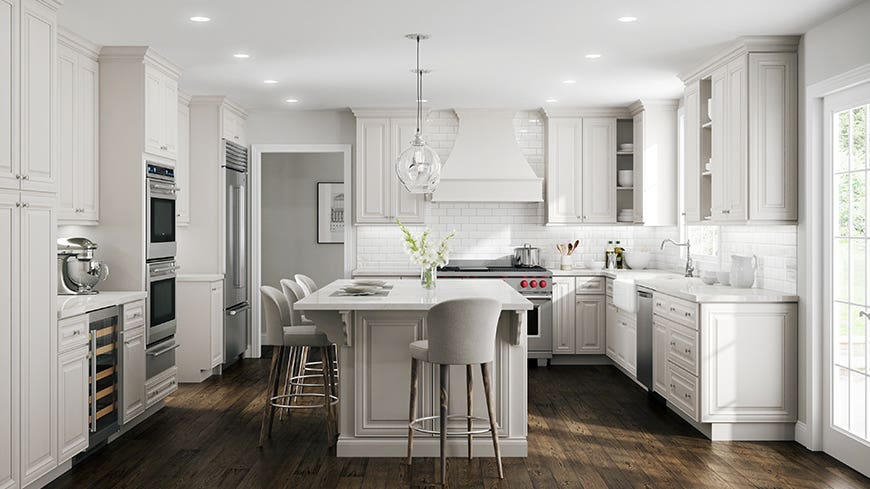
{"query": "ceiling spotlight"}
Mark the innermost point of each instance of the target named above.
(627, 19)
(270, 82)
(292, 100)
(199, 18)
(593, 56)
(569, 82)
(242, 55)
(551, 101)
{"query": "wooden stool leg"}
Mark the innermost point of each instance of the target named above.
(303, 359)
(490, 406)
(327, 409)
(445, 401)
(412, 409)
(267, 409)
(469, 377)
(276, 387)
(286, 390)
(330, 356)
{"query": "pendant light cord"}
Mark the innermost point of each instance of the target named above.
(419, 90)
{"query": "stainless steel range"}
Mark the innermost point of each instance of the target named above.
(534, 283)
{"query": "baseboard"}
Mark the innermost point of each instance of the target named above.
(427, 447)
(580, 360)
(804, 436)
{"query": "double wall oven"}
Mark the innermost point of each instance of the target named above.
(161, 267)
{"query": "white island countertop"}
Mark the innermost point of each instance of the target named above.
(408, 295)
(74, 305)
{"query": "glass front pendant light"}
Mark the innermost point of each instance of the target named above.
(419, 167)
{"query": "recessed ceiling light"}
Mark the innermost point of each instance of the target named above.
(569, 82)
(627, 18)
(292, 100)
(593, 56)
(199, 18)
(551, 101)
(242, 55)
(270, 82)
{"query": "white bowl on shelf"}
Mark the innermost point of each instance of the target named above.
(626, 147)
(625, 178)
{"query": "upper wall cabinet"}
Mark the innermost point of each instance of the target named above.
(78, 79)
(28, 105)
(581, 169)
(741, 134)
(161, 112)
(380, 197)
(234, 125)
(655, 162)
(182, 164)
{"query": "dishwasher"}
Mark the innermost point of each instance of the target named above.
(645, 337)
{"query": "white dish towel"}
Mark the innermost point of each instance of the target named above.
(625, 294)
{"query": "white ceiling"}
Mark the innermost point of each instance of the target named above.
(494, 53)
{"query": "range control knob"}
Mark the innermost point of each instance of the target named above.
(543, 283)
(534, 283)
(524, 284)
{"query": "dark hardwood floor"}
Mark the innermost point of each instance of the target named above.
(588, 427)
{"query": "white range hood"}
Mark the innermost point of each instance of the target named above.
(486, 165)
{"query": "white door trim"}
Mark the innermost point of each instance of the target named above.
(257, 152)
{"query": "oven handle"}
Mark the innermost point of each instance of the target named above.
(540, 298)
(161, 352)
(167, 269)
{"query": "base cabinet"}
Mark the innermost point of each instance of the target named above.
(589, 324)
(200, 332)
(660, 357)
(563, 315)
(133, 374)
(72, 403)
(621, 339)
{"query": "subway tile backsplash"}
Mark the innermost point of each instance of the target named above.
(488, 230)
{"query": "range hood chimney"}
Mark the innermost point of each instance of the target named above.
(486, 165)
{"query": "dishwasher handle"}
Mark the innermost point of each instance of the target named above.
(644, 294)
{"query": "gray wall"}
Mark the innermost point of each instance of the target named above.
(301, 127)
(289, 217)
(838, 45)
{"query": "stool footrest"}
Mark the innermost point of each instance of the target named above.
(416, 425)
(274, 401)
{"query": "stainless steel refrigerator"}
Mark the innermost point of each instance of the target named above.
(237, 307)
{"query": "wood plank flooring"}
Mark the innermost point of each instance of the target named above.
(589, 427)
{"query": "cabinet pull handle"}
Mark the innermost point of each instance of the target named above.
(26, 177)
(18, 176)
(688, 350)
(863, 314)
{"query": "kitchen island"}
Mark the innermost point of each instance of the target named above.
(373, 333)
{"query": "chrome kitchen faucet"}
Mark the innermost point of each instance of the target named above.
(690, 265)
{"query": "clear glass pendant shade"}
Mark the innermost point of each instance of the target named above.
(419, 167)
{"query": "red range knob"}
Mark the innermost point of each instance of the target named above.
(543, 283)
(534, 283)
(524, 284)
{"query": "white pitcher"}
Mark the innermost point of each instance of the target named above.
(743, 271)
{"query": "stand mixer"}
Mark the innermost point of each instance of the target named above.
(78, 272)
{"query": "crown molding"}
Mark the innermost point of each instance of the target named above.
(387, 112)
(741, 46)
(183, 97)
(139, 54)
(78, 43)
(647, 104)
(617, 112)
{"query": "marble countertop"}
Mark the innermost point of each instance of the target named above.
(408, 295)
(74, 305)
(692, 289)
(632, 274)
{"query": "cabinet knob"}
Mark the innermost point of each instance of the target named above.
(18, 204)
(18, 176)
(26, 177)
(688, 350)
(25, 204)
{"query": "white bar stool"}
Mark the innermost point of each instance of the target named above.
(307, 283)
(461, 332)
(301, 373)
(286, 340)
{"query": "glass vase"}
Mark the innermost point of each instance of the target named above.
(428, 276)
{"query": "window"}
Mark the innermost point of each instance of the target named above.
(704, 239)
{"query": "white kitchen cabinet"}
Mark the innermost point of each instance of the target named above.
(72, 403)
(78, 134)
(380, 197)
(38, 350)
(611, 332)
(132, 397)
(599, 170)
(160, 387)
(621, 339)
(773, 120)
(564, 170)
(10, 217)
(748, 362)
(753, 134)
(182, 164)
(200, 316)
(660, 357)
(590, 325)
(161, 112)
(692, 154)
(39, 166)
(563, 315)
(655, 163)
(9, 150)
(233, 124)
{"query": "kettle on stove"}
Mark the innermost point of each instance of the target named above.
(78, 273)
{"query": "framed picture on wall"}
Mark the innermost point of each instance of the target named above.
(330, 212)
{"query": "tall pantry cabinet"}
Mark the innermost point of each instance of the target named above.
(28, 220)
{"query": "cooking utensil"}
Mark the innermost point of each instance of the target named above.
(576, 245)
(527, 256)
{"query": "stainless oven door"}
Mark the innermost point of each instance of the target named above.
(160, 219)
(540, 327)
(160, 302)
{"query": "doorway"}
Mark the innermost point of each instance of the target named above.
(845, 378)
(301, 210)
